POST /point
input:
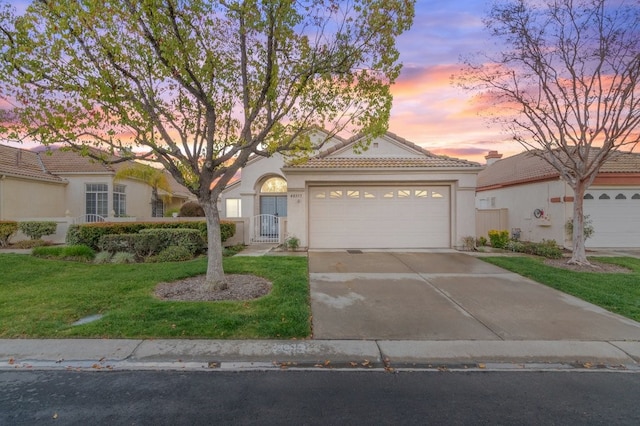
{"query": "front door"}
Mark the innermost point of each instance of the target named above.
(275, 205)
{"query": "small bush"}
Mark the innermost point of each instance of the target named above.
(140, 245)
(547, 248)
(103, 257)
(516, 246)
(29, 244)
(36, 230)
(191, 209)
(172, 254)
(468, 243)
(499, 239)
(7, 229)
(292, 243)
(123, 257)
(481, 242)
(587, 227)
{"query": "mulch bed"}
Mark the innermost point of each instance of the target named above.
(241, 287)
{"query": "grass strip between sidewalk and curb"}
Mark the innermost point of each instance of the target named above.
(43, 298)
(615, 292)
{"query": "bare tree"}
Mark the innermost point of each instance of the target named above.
(564, 85)
(199, 86)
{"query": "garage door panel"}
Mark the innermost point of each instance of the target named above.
(379, 217)
(615, 216)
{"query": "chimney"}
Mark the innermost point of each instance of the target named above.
(492, 157)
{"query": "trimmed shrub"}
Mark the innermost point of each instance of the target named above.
(90, 233)
(190, 239)
(36, 230)
(191, 209)
(140, 245)
(7, 229)
(123, 257)
(499, 239)
(481, 242)
(227, 230)
(172, 254)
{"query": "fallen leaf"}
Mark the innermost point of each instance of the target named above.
(353, 364)
(12, 361)
(481, 365)
(55, 415)
(587, 365)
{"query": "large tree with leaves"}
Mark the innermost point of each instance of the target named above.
(565, 85)
(199, 85)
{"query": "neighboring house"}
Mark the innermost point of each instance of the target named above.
(539, 203)
(394, 195)
(62, 185)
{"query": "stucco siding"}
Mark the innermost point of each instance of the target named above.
(30, 198)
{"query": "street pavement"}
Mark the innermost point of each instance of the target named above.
(384, 310)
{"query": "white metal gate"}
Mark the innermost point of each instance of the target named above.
(265, 228)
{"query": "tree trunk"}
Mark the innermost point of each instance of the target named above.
(579, 255)
(215, 273)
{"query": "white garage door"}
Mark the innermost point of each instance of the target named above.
(379, 217)
(615, 214)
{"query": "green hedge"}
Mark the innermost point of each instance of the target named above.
(190, 239)
(36, 230)
(142, 246)
(7, 229)
(90, 233)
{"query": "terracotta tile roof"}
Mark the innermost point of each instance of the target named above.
(384, 163)
(62, 161)
(25, 164)
(525, 167)
(425, 160)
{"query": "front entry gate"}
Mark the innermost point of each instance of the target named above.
(265, 228)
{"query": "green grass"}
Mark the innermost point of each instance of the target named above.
(619, 293)
(42, 298)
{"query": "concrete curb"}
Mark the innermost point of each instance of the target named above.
(123, 354)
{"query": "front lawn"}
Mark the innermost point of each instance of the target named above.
(42, 298)
(619, 293)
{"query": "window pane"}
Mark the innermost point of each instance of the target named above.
(388, 194)
(404, 193)
(420, 193)
(233, 206)
(353, 194)
(369, 195)
(320, 195)
(436, 194)
(335, 194)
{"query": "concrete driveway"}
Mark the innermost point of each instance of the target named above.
(445, 296)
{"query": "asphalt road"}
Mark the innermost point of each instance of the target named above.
(318, 398)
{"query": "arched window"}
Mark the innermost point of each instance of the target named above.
(274, 184)
(588, 197)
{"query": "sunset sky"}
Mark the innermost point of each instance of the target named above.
(428, 110)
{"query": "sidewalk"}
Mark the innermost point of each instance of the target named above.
(120, 354)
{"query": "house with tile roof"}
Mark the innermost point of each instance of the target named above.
(65, 186)
(539, 202)
(393, 195)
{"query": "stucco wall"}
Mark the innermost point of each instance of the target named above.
(523, 200)
(28, 198)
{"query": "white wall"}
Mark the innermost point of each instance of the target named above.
(523, 200)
